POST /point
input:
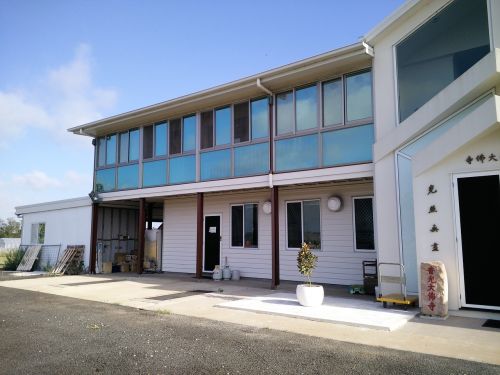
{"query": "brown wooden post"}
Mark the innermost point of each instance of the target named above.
(199, 235)
(150, 216)
(275, 282)
(140, 234)
(93, 237)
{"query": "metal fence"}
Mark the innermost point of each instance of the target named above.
(47, 258)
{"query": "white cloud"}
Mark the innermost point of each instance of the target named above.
(36, 180)
(66, 96)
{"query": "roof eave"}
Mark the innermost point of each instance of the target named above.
(351, 51)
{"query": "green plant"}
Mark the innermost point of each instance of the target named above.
(12, 259)
(75, 268)
(306, 262)
(47, 268)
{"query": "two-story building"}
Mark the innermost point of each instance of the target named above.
(386, 149)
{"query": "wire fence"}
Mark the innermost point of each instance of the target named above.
(47, 257)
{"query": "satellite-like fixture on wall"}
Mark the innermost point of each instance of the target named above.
(334, 204)
(267, 207)
(93, 196)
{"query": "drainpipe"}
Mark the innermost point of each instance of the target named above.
(263, 88)
(368, 49)
(270, 93)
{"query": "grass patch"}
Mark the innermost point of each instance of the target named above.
(164, 312)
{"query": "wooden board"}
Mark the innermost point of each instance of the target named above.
(71, 254)
(29, 258)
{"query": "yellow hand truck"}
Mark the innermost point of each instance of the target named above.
(401, 298)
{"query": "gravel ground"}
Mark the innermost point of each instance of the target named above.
(47, 334)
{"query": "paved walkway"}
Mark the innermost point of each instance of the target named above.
(457, 337)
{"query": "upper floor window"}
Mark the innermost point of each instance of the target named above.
(154, 141)
(439, 51)
(129, 146)
(182, 135)
(111, 149)
(297, 110)
(358, 93)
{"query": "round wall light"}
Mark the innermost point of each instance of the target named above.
(334, 204)
(267, 208)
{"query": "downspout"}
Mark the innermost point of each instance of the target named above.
(368, 49)
(270, 93)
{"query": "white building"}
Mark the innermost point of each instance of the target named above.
(402, 128)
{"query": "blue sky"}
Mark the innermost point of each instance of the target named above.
(65, 63)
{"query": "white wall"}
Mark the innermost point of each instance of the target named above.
(441, 176)
(179, 235)
(68, 226)
(338, 262)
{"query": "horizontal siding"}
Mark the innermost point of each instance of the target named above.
(250, 262)
(338, 263)
(179, 235)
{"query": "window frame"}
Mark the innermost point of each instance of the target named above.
(395, 72)
(243, 226)
(301, 201)
(38, 224)
(353, 199)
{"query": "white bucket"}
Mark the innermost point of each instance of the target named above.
(236, 275)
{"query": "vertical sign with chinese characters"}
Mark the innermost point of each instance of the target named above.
(433, 289)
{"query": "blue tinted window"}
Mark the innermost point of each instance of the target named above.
(105, 180)
(347, 146)
(260, 118)
(297, 153)
(189, 134)
(111, 149)
(284, 113)
(154, 173)
(101, 152)
(306, 107)
(215, 164)
(182, 169)
(161, 139)
(359, 96)
(128, 177)
(250, 160)
(123, 158)
(133, 145)
(440, 51)
(332, 103)
(223, 126)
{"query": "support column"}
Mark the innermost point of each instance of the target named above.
(93, 238)
(140, 234)
(275, 282)
(199, 235)
(150, 216)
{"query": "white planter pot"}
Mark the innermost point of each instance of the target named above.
(310, 295)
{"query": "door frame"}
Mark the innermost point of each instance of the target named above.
(458, 235)
(220, 241)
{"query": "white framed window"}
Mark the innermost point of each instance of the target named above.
(362, 216)
(37, 233)
(244, 225)
(303, 223)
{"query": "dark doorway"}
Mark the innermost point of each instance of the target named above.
(212, 243)
(479, 204)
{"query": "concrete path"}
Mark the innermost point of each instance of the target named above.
(457, 337)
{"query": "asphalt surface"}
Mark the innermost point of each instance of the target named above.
(47, 334)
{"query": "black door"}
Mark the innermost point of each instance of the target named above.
(479, 202)
(212, 242)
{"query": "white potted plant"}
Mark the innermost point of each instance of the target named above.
(308, 294)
